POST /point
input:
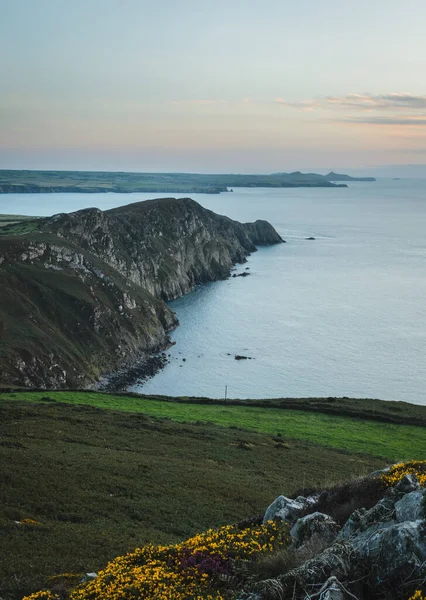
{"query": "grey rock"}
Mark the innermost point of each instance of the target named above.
(409, 483)
(332, 590)
(411, 507)
(392, 549)
(380, 546)
(315, 525)
(88, 577)
(361, 520)
(285, 509)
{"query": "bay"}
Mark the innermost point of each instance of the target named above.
(341, 315)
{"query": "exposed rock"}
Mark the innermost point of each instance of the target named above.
(286, 509)
(167, 246)
(411, 507)
(309, 238)
(260, 233)
(242, 357)
(409, 483)
(392, 549)
(316, 525)
(380, 547)
(332, 590)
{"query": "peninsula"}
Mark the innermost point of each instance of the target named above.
(84, 293)
(23, 182)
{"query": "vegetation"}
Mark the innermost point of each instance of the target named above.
(214, 565)
(81, 485)
(195, 568)
(389, 440)
(8, 220)
(397, 472)
(170, 183)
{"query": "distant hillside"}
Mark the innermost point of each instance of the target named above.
(340, 177)
(169, 183)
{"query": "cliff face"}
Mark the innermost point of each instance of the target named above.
(166, 246)
(84, 293)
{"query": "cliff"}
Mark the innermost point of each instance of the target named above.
(83, 293)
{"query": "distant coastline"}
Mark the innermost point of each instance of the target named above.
(342, 177)
(92, 182)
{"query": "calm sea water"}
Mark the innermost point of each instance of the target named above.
(343, 315)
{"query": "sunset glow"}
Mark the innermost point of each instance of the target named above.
(204, 86)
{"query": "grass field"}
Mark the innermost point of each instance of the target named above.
(391, 441)
(19, 222)
(99, 483)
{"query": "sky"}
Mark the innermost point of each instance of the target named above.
(244, 86)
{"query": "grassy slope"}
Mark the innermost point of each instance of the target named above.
(391, 441)
(17, 224)
(46, 312)
(102, 482)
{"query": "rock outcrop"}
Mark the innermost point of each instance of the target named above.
(83, 293)
(378, 550)
(313, 528)
(166, 246)
(287, 509)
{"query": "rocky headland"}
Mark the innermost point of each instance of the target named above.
(84, 293)
(332, 176)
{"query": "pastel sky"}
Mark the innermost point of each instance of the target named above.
(212, 85)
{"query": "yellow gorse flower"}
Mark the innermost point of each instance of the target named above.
(397, 472)
(178, 572)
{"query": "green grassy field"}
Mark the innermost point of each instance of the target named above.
(391, 441)
(100, 482)
(18, 222)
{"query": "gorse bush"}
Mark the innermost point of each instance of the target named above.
(199, 568)
(397, 472)
(214, 565)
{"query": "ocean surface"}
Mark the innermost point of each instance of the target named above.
(341, 315)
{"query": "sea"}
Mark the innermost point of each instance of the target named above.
(343, 314)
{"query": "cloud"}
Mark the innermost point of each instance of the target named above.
(370, 102)
(396, 120)
(382, 101)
